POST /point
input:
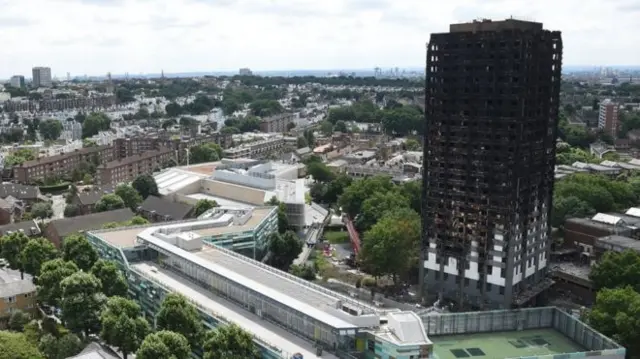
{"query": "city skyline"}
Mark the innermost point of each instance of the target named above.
(137, 36)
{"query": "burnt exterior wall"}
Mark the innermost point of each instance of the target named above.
(492, 94)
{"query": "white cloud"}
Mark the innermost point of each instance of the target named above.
(98, 36)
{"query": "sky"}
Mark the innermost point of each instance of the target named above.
(146, 36)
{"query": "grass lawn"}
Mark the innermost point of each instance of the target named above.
(337, 237)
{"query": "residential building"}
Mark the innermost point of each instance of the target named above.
(20, 195)
(608, 118)
(129, 146)
(277, 123)
(257, 149)
(245, 71)
(156, 209)
(17, 81)
(127, 169)
(16, 293)
(86, 201)
(41, 77)
(492, 90)
(71, 130)
(30, 228)
(60, 165)
(58, 229)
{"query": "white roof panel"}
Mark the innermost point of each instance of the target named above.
(606, 218)
(634, 212)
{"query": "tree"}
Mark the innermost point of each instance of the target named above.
(71, 195)
(51, 275)
(397, 232)
(71, 210)
(109, 202)
(341, 126)
(354, 196)
(569, 207)
(173, 109)
(64, 347)
(16, 346)
(326, 127)
(35, 253)
(412, 145)
(284, 249)
(12, 246)
(283, 220)
(18, 320)
(129, 195)
(42, 210)
(76, 248)
(94, 123)
(145, 185)
(208, 152)
(302, 142)
(320, 172)
(378, 205)
(616, 314)
(82, 300)
(303, 271)
(123, 325)
(617, 270)
(164, 345)
(50, 129)
(265, 108)
(112, 279)
(229, 342)
(204, 205)
(178, 315)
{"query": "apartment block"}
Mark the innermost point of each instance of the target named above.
(60, 165)
(492, 95)
(257, 149)
(130, 146)
(17, 81)
(41, 77)
(277, 123)
(127, 169)
(608, 118)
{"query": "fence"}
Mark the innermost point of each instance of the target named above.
(596, 344)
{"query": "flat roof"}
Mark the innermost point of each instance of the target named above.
(126, 237)
(516, 344)
(173, 180)
(264, 330)
(281, 287)
(222, 202)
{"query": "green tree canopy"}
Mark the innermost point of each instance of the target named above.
(208, 152)
(284, 249)
(229, 342)
(569, 207)
(320, 172)
(376, 206)
(129, 195)
(204, 205)
(82, 301)
(76, 248)
(397, 232)
(113, 281)
(617, 270)
(265, 108)
(145, 185)
(51, 275)
(35, 253)
(616, 314)
(123, 325)
(109, 202)
(178, 315)
(42, 210)
(12, 246)
(164, 345)
(50, 129)
(18, 320)
(94, 123)
(353, 197)
(283, 220)
(66, 346)
(16, 346)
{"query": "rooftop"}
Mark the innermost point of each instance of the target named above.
(126, 237)
(175, 179)
(66, 226)
(264, 330)
(56, 158)
(526, 343)
(136, 158)
(11, 284)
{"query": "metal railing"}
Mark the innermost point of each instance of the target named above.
(297, 280)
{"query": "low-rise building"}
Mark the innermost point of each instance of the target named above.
(58, 229)
(256, 149)
(156, 209)
(127, 169)
(16, 293)
(61, 165)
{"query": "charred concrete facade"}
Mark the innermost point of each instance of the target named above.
(492, 94)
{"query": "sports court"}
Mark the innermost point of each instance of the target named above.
(502, 345)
